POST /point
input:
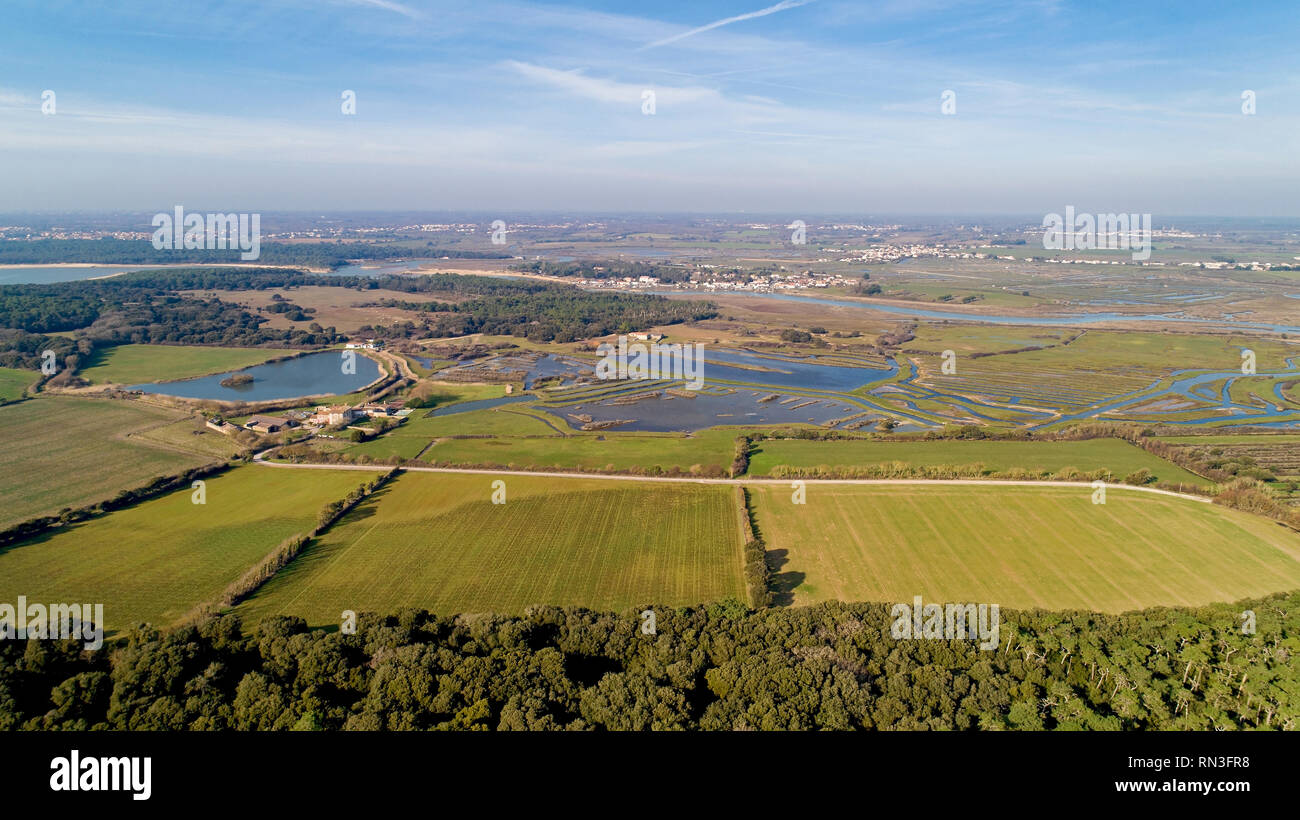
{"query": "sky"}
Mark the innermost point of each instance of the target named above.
(764, 106)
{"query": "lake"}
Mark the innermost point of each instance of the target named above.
(369, 268)
(316, 374)
(48, 274)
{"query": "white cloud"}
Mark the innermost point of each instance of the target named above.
(388, 5)
(9, 97)
(782, 6)
(609, 91)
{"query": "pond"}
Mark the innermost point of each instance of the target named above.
(809, 374)
(712, 407)
(316, 374)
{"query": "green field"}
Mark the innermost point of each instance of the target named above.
(611, 451)
(436, 541)
(1116, 455)
(157, 560)
(189, 435)
(139, 364)
(522, 437)
(13, 382)
(1022, 547)
(414, 434)
(59, 451)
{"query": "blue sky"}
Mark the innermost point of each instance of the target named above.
(765, 106)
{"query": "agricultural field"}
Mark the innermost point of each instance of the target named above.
(1116, 455)
(189, 435)
(707, 450)
(159, 559)
(437, 541)
(139, 364)
(13, 382)
(1026, 547)
(61, 451)
(520, 436)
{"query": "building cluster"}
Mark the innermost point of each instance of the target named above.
(878, 254)
(22, 233)
(335, 415)
(725, 281)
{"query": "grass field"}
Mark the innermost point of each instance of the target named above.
(157, 560)
(138, 364)
(593, 451)
(189, 435)
(1023, 547)
(437, 542)
(522, 437)
(60, 451)
(1116, 455)
(13, 382)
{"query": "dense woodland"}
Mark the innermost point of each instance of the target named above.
(110, 251)
(555, 314)
(721, 667)
(145, 308)
(606, 269)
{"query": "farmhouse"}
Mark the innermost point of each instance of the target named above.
(334, 415)
(380, 410)
(269, 424)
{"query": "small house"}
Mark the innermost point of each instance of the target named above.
(269, 424)
(380, 409)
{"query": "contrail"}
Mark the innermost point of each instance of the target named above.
(782, 6)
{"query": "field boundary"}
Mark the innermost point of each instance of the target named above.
(129, 497)
(286, 551)
(753, 554)
(260, 458)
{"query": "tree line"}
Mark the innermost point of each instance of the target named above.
(148, 307)
(562, 314)
(715, 667)
(606, 269)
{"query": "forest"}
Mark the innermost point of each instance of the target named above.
(606, 269)
(553, 313)
(144, 307)
(716, 667)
